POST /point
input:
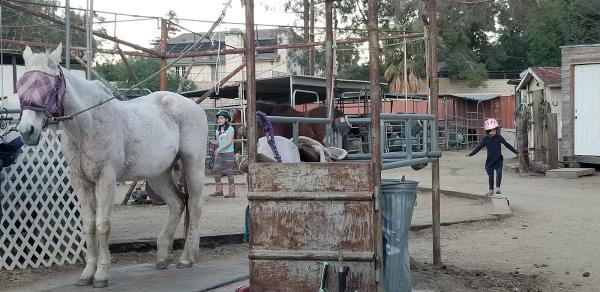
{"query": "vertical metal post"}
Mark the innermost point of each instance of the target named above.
(446, 124)
(431, 28)
(251, 80)
(243, 112)
(311, 50)
(89, 37)
(295, 132)
(329, 68)
(164, 35)
(292, 96)
(375, 95)
(14, 69)
(68, 34)
(405, 73)
(329, 57)
(408, 138)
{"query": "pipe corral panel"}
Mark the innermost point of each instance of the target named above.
(302, 214)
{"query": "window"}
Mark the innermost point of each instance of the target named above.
(267, 54)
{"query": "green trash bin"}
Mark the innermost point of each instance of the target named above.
(398, 200)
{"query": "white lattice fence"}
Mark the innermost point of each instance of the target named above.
(40, 221)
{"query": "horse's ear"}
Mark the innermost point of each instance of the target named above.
(27, 53)
(56, 55)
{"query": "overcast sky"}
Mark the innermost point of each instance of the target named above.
(142, 32)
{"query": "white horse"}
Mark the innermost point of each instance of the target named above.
(117, 141)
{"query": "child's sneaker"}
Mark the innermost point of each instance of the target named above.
(490, 193)
(498, 191)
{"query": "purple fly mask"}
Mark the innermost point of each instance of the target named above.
(42, 92)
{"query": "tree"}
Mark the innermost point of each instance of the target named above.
(21, 26)
(143, 67)
(172, 28)
(555, 23)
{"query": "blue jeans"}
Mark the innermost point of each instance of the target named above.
(490, 173)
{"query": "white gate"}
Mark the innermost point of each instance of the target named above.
(587, 107)
(40, 219)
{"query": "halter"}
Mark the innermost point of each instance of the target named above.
(42, 92)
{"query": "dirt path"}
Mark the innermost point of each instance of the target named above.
(554, 231)
(226, 216)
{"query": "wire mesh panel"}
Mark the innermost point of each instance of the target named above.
(40, 219)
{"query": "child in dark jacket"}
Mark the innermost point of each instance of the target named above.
(495, 161)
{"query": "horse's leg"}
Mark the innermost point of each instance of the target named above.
(105, 192)
(193, 165)
(85, 195)
(163, 185)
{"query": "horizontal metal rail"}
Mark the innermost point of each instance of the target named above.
(9, 111)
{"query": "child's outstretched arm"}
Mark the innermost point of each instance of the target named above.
(510, 147)
(477, 149)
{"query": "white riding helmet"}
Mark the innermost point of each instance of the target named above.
(490, 124)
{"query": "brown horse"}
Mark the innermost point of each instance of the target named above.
(314, 131)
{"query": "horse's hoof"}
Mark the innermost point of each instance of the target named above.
(85, 281)
(185, 264)
(101, 283)
(161, 265)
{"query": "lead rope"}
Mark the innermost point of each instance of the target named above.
(268, 129)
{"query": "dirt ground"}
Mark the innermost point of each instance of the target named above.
(226, 216)
(554, 232)
(549, 244)
(425, 276)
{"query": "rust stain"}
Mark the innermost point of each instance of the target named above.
(305, 276)
(291, 234)
(310, 177)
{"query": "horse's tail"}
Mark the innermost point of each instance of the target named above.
(186, 205)
(180, 183)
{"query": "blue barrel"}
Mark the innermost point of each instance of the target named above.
(398, 200)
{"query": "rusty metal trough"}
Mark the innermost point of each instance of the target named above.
(302, 214)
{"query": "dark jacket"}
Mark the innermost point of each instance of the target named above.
(494, 150)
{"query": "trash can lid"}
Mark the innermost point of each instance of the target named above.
(398, 185)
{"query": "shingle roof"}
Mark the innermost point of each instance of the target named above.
(548, 75)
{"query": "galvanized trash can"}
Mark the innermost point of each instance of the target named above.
(398, 201)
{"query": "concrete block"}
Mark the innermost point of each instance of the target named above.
(569, 172)
(501, 206)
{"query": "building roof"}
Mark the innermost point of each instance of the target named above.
(474, 96)
(190, 38)
(580, 46)
(305, 89)
(546, 76)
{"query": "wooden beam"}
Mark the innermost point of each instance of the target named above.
(251, 80)
(229, 76)
(76, 27)
(552, 140)
(432, 76)
(164, 37)
(132, 76)
(375, 95)
(293, 46)
(49, 45)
